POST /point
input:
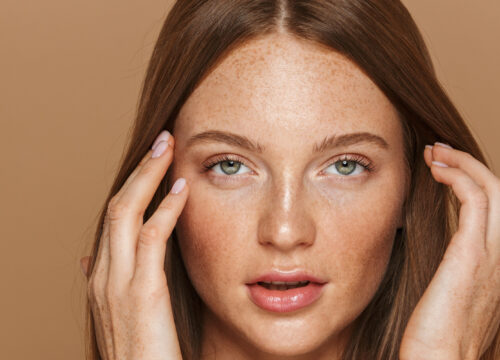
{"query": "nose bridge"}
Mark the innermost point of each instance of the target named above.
(286, 223)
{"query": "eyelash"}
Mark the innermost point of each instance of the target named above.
(358, 159)
(221, 158)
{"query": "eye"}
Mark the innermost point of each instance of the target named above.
(227, 165)
(349, 165)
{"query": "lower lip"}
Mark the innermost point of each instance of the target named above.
(285, 300)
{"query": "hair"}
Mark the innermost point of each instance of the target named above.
(381, 37)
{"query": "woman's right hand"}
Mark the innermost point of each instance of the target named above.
(128, 287)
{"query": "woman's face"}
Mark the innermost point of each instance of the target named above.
(285, 113)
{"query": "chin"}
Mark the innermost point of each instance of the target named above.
(286, 347)
(288, 337)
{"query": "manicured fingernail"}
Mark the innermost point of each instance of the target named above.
(163, 136)
(443, 145)
(159, 149)
(429, 146)
(439, 164)
(178, 186)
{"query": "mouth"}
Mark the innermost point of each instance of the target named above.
(284, 295)
(283, 285)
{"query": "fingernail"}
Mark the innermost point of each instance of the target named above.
(159, 149)
(163, 136)
(429, 146)
(439, 164)
(443, 145)
(178, 186)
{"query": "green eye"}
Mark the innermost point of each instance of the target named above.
(345, 167)
(230, 167)
(351, 165)
(225, 166)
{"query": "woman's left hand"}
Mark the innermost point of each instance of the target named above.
(459, 313)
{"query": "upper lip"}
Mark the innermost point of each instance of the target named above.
(287, 276)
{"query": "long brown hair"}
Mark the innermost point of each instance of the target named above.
(379, 36)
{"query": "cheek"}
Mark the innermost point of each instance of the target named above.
(213, 239)
(358, 239)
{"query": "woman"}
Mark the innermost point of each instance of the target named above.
(310, 223)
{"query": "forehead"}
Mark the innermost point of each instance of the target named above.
(279, 82)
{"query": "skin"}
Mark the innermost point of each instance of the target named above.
(459, 313)
(303, 215)
(278, 211)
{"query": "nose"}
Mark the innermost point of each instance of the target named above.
(286, 224)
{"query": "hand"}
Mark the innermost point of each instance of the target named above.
(459, 313)
(128, 288)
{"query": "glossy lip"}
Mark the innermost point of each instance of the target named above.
(287, 276)
(281, 301)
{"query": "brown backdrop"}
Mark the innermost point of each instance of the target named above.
(70, 77)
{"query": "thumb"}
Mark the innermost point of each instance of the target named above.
(84, 264)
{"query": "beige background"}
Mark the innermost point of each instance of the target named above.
(70, 77)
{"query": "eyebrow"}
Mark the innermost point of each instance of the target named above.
(329, 142)
(350, 139)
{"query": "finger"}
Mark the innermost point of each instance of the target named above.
(481, 176)
(100, 269)
(101, 265)
(473, 217)
(163, 136)
(102, 260)
(126, 214)
(84, 264)
(428, 155)
(98, 281)
(465, 161)
(96, 292)
(154, 234)
(104, 332)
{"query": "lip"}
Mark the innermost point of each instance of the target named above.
(281, 301)
(288, 276)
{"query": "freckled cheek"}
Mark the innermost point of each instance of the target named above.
(365, 259)
(358, 273)
(213, 241)
(360, 241)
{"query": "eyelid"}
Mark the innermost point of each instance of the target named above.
(219, 158)
(360, 160)
(357, 158)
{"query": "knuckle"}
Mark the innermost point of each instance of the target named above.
(113, 202)
(149, 234)
(93, 289)
(149, 169)
(148, 293)
(479, 199)
(117, 210)
(157, 295)
(468, 156)
(167, 205)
